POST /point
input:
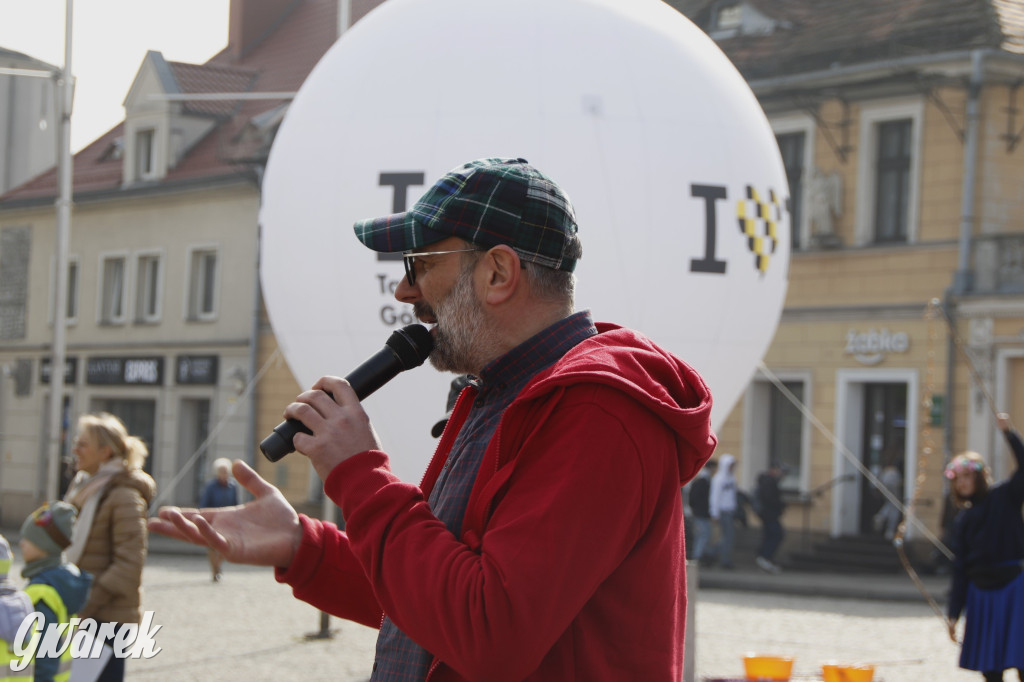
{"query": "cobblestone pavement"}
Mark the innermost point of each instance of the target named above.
(248, 627)
(906, 642)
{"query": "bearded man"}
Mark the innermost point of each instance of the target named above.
(546, 541)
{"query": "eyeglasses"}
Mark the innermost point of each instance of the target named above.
(409, 258)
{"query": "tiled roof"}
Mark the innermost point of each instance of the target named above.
(195, 79)
(21, 60)
(278, 63)
(811, 35)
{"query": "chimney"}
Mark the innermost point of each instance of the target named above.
(249, 21)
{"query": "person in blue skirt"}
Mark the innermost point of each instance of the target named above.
(988, 566)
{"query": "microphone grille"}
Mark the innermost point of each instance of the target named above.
(412, 344)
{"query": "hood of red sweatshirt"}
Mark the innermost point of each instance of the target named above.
(663, 383)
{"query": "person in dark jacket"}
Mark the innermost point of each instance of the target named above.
(220, 491)
(987, 576)
(769, 507)
(698, 499)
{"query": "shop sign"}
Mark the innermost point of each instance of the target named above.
(196, 369)
(871, 347)
(146, 371)
(70, 370)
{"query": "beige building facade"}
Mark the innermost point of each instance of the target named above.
(165, 326)
(159, 332)
(903, 327)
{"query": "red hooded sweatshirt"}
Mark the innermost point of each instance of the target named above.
(571, 560)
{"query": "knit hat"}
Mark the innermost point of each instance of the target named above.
(486, 202)
(49, 527)
(5, 559)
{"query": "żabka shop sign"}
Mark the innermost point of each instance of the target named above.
(871, 347)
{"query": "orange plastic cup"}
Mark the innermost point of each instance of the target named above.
(768, 668)
(835, 672)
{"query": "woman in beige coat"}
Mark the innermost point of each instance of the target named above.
(112, 494)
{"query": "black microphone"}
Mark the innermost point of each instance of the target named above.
(408, 347)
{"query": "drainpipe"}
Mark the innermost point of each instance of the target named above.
(962, 281)
(963, 278)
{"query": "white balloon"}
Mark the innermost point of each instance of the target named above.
(627, 105)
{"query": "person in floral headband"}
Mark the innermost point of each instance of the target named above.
(988, 566)
(970, 477)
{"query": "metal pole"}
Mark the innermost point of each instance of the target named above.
(65, 88)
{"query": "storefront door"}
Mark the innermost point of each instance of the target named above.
(873, 410)
(193, 429)
(884, 443)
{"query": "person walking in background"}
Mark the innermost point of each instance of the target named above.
(888, 518)
(57, 588)
(220, 491)
(111, 493)
(15, 606)
(722, 502)
(988, 565)
(769, 507)
(699, 500)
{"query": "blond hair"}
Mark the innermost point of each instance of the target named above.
(107, 430)
(221, 463)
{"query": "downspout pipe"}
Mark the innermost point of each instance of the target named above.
(963, 279)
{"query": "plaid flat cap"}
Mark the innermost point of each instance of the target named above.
(484, 202)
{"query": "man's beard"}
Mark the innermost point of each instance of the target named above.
(460, 337)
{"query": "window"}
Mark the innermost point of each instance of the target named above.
(71, 310)
(112, 292)
(794, 134)
(144, 147)
(889, 172)
(775, 430)
(729, 16)
(15, 248)
(892, 177)
(202, 299)
(791, 145)
(786, 432)
(71, 303)
(149, 288)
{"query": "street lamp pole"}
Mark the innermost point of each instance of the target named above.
(65, 95)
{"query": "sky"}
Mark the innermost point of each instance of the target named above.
(109, 40)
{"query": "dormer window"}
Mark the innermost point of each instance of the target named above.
(145, 153)
(732, 18)
(729, 16)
